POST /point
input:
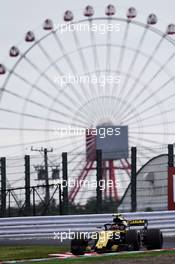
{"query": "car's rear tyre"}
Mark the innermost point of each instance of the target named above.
(78, 245)
(133, 240)
(153, 239)
(100, 251)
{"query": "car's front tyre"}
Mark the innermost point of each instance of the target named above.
(133, 240)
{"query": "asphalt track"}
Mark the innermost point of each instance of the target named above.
(169, 242)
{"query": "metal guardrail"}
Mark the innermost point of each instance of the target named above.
(46, 226)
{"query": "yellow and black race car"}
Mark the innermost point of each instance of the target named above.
(121, 234)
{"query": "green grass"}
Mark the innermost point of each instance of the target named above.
(28, 252)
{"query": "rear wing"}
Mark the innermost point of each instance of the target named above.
(138, 222)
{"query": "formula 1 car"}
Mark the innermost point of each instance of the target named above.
(121, 234)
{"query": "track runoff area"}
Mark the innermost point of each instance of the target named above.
(94, 254)
(61, 257)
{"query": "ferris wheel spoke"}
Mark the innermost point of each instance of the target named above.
(156, 104)
(108, 87)
(95, 59)
(46, 54)
(146, 140)
(81, 161)
(90, 142)
(38, 117)
(145, 153)
(78, 146)
(37, 103)
(54, 64)
(155, 115)
(121, 55)
(108, 58)
(75, 167)
(151, 133)
(80, 51)
(94, 48)
(22, 78)
(108, 50)
(48, 57)
(70, 63)
(153, 93)
(140, 74)
(63, 147)
(93, 105)
(27, 129)
(73, 149)
(37, 69)
(71, 99)
(102, 111)
(75, 139)
(99, 112)
(141, 148)
(79, 118)
(56, 67)
(133, 62)
(61, 47)
(132, 109)
(80, 114)
(43, 107)
(161, 124)
(136, 79)
(29, 143)
(162, 67)
(83, 61)
(50, 60)
(154, 77)
(39, 89)
(148, 153)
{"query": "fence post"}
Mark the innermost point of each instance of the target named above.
(3, 186)
(171, 178)
(27, 185)
(34, 206)
(65, 207)
(99, 178)
(60, 200)
(170, 155)
(47, 199)
(133, 179)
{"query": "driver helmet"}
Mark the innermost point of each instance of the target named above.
(119, 220)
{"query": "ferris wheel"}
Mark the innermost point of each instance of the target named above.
(43, 91)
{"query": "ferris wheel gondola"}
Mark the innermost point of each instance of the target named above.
(68, 16)
(131, 13)
(171, 29)
(30, 37)
(2, 69)
(14, 52)
(48, 24)
(89, 11)
(110, 10)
